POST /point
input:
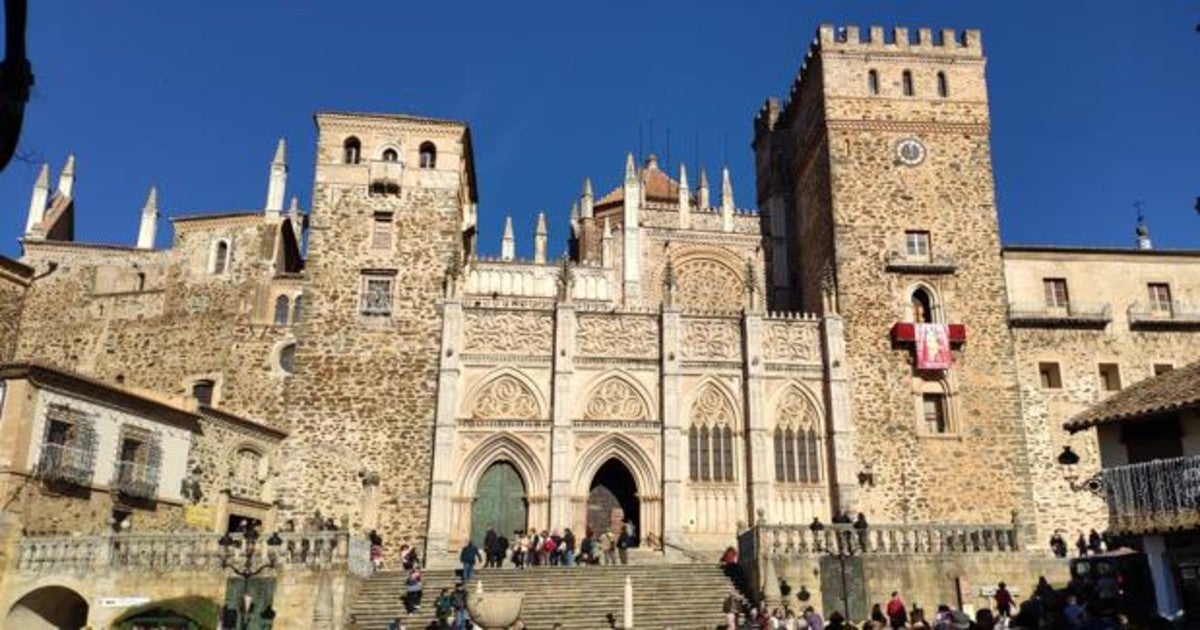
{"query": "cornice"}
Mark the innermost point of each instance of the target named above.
(904, 126)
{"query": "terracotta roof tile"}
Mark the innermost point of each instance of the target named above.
(1176, 390)
(658, 185)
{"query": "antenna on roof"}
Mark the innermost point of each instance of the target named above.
(1142, 232)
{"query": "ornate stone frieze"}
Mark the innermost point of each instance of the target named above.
(711, 339)
(508, 332)
(708, 285)
(616, 399)
(712, 408)
(505, 398)
(617, 336)
(791, 341)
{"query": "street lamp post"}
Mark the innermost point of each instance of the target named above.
(246, 568)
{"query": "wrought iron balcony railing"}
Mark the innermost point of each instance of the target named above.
(899, 260)
(1154, 496)
(136, 480)
(1164, 315)
(1070, 314)
(65, 463)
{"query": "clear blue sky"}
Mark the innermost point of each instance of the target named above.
(1094, 105)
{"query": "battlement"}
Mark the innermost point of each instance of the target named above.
(876, 39)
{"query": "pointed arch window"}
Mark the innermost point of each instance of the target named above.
(281, 310)
(873, 81)
(943, 86)
(922, 306)
(907, 80)
(428, 155)
(351, 150)
(710, 438)
(799, 444)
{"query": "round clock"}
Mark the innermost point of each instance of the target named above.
(910, 151)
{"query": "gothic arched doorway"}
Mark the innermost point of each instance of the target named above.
(612, 497)
(499, 502)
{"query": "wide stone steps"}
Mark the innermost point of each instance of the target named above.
(681, 596)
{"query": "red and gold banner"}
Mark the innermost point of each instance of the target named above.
(933, 346)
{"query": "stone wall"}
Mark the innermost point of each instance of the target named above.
(14, 280)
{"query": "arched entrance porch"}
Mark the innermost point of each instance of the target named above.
(48, 608)
(500, 502)
(612, 498)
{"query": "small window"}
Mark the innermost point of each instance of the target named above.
(381, 231)
(943, 86)
(1160, 297)
(1050, 376)
(390, 155)
(203, 391)
(916, 244)
(287, 358)
(922, 307)
(933, 408)
(1110, 377)
(1162, 368)
(907, 79)
(296, 308)
(60, 433)
(377, 296)
(281, 310)
(873, 82)
(1055, 290)
(351, 151)
(428, 155)
(220, 263)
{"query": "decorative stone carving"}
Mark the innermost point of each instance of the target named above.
(505, 398)
(616, 399)
(707, 339)
(795, 410)
(509, 332)
(712, 408)
(790, 341)
(617, 336)
(705, 284)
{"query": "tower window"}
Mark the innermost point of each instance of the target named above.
(296, 308)
(1055, 290)
(381, 231)
(220, 257)
(873, 81)
(1160, 297)
(281, 310)
(428, 155)
(351, 150)
(390, 155)
(1050, 375)
(1110, 377)
(907, 80)
(916, 244)
(943, 85)
(203, 390)
(933, 407)
(287, 358)
(377, 295)
(922, 307)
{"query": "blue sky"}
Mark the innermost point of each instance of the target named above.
(1093, 106)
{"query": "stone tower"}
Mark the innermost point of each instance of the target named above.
(875, 183)
(392, 199)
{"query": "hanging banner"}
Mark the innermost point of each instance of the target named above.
(933, 347)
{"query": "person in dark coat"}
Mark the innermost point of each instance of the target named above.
(489, 546)
(1095, 542)
(468, 556)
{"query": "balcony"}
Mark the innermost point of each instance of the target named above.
(136, 480)
(384, 177)
(900, 261)
(65, 463)
(1153, 496)
(1164, 316)
(1070, 315)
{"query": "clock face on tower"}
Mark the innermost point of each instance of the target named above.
(910, 151)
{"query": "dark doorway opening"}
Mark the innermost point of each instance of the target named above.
(613, 497)
(499, 502)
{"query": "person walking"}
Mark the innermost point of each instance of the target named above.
(489, 546)
(624, 542)
(468, 556)
(501, 550)
(568, 546)
(896, 612)
(413, 590)
(1004, 600)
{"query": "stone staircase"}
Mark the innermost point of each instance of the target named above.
(679, 596)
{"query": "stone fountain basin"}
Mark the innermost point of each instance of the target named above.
(494, 610)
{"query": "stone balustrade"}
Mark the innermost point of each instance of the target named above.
(185, 552)
(800, 540)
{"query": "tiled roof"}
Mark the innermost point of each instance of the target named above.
(1176, 390)
(658, 186)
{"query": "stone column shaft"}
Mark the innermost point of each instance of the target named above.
(561, 438)
(673, 438)
(758, 440)
(445, 435)
(841, 420)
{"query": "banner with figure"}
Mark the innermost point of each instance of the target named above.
(933, 346)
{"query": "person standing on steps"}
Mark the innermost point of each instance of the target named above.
(568, 545)
(624, 542)
(489, 546)
(501, 550)
(608, 544)
(468, 556)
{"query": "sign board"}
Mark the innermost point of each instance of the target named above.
(990, 591)
(198, 516)
(122, 602)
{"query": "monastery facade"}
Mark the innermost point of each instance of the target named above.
(861, 341)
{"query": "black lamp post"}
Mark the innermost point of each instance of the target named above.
(1067, 460)
(246, 568)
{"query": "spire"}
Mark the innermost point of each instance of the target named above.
(37, 202)
(539, 239)
(726, 200)
(149, 224)
(588, 199)
(575, 219)
(606, 244)
(630, 169)
(508, 243)
(278, 181)
(685, 200)
(66, 181)
(702, 200)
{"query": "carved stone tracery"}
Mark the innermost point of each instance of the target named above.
(505, 398)
(710, 340)
(706, 284)
(616, 399)
(508, 332)
(795, 410)
(712, 408)
(609, 336)
(790, 341)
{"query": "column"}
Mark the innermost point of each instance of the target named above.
(840, 421)
(1162, 574)
(674, 438)
(444, 436)
(561, 434)
(758, 438)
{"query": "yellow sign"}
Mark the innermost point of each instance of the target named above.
(198, 516)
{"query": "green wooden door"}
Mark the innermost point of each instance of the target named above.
(499, 501)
